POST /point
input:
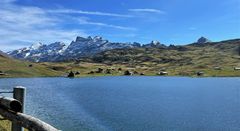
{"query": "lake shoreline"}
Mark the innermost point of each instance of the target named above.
(89, 76)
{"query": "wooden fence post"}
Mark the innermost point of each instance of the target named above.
(19, 93)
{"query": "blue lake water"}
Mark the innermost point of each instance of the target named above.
(133, 103)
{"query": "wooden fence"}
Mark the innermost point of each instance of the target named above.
(13, 109)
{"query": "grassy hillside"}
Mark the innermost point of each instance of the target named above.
(14, 68)
(213, 59)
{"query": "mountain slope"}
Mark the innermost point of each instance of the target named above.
(213, 58)
(39, 52)
(214, 50)
(2, 54)
(14, 68)
(179, 59)
(86, 47)
(61, 52)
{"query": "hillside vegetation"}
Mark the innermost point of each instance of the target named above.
(215, 59)
(212, 59)
(14, 68)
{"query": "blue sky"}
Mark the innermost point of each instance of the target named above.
(23, 22)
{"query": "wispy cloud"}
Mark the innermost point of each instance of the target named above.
(28, 24)
(86, 21)
(70, 11)
(147, 10)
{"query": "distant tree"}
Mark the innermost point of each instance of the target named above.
(71, 74)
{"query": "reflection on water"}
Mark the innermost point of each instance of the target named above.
(133, 103)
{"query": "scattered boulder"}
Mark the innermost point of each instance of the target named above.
(142, 74)
(71, 74)
(135, 72)
(77, 73)
(128, 73)
(99, 70)
(200, 73)
(108, 71)
(91, 72)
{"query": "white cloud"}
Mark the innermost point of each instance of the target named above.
(70, 11)
(21, 24)
(28, 24)
(146, 10)
(84, 20)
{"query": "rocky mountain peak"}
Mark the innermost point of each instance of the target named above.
(79, 39)
(97, 38)
(36, 46)
(203, 40)
(57, 44)
(89, 37)
(81, 47)
(155, 42)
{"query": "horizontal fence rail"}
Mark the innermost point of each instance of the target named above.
(10, 104)
(27, 121)
(12, 109)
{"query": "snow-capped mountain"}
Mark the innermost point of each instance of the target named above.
(58, 51)
(82, 47)
(88, 46)
(39, 52)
